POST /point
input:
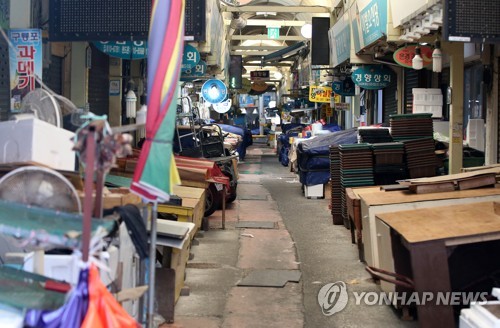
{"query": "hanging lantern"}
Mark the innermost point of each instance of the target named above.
(417, 61)
(131, 100)
(437, 58)
(141, 119)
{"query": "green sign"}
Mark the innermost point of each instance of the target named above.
(368, 22)
(372, 77)
(273, 33)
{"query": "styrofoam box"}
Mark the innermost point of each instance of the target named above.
(427, 96)
(34, 140)
(315, 191)
(479, 317)
(436, 111)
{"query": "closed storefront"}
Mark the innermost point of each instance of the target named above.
(4, 80)
(390, 101)
(98, 83)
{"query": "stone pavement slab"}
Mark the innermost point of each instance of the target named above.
(250, 307)
(268, 249)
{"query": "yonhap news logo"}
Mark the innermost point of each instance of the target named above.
(333, 298)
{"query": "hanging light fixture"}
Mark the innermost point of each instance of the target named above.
(417, 61)
(306, 30)
(131, 101)
(437, 58)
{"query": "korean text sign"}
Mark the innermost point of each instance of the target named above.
(320, 94)
(25, 57)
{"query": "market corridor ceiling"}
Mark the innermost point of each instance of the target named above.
(247, 24)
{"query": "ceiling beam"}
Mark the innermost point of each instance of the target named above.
(251, 53)
(258, 47)
(280, 9)
(265, 37)
(270, 22)
(273, 65)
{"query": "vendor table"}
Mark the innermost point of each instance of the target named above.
(193, 205)
(375, 201)
(427, 234)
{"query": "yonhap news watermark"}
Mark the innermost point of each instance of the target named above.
(333, 298)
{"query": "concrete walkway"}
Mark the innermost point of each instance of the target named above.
(303, 238)
(224, 257)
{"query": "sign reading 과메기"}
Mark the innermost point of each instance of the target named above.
(320, 94)
(372, 77)
(25, 57)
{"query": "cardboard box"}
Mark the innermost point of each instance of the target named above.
(115, 197)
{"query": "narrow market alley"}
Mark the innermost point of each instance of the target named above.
(298, 235)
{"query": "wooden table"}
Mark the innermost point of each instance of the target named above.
(375, 201)
(427, 234)
(193, 205)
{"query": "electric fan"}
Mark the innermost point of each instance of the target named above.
(41, 187)
(43, 106)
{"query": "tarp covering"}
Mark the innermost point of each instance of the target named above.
(245, 133)
(313, 155)
(45, 226)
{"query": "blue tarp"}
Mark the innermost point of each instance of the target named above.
(244, 133)
(313, 156)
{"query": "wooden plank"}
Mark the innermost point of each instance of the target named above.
(188, 192)
(397, 197)
(444, 222)
(165, 293)
(431, 274)
(477, 182)
(452, 177)
(430, 188)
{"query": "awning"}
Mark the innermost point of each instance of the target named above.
(285, 53)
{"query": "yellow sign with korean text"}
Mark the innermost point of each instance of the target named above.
(320, 94)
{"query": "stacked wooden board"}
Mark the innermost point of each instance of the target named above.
(336, 188)
(356, 169)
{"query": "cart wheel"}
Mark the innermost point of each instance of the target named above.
(232, 196)
(213, 200)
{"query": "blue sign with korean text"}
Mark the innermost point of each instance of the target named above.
(124, 49)
(190, 57)
(368, 22)
(340, 39)
(214, 91)
(372, 77)
(344, 87)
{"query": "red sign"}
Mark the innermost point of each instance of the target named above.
(403, 56)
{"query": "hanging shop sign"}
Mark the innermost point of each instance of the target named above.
(368, 22)
(259, 75)
(320, 94)
(259, 86)
(372, 77)
(25, 57)
(190, 57)
(198, 70)
(403, 56)
(340, 41)
(223, 107)
(214, 91)
(124, 49)
(342, 106)
(344, 87)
